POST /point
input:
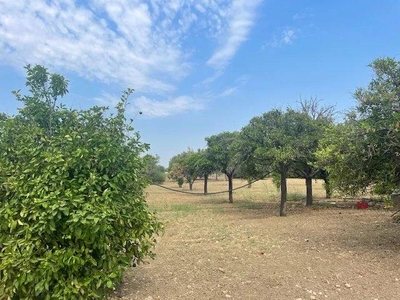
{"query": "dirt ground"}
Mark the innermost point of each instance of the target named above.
(215, 250)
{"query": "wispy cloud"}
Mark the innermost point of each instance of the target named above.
(152, 108)
(241, 17)
(132, 43)
(228, 91)
(286, 37)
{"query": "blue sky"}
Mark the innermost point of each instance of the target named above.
(199, 67)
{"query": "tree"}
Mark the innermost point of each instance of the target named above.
(364, 151)
(204, 166)
(280, 139)
(184, 165)
(154, 172)
(307, 168)
(73, 214)
(224, 153)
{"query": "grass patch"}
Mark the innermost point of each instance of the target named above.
(183, 208)
(249, 205)
(295, 197)
(218, 210)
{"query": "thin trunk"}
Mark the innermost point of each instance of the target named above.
(309, 195)
(282, 211)
(190, 185)
(230, 178)
(205, 184)
(328, 191)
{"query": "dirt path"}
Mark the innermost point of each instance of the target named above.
(214, 250)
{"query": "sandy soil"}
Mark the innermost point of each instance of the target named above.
(215, 250)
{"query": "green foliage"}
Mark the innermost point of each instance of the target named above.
(204, 163)
(153, 171)
(223, 151)
(73, 215)
(363, 152)
(184, 165)
(180, 181)
(280, 140)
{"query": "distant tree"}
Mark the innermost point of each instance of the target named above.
(307, 167)
(175, 172)
(280, 139)
(205, 166)
(153, 171)
(185, 165)
(313, 108)
(223, 150)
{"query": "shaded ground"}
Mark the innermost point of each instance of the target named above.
(215, 250)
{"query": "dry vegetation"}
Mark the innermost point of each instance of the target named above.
(215, 250)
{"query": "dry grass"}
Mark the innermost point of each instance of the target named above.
(215, 250)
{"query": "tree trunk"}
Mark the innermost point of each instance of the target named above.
(309, 195)
(190, 184)
(282, 211)
(205, 184)
(230, 179)
(328, 191)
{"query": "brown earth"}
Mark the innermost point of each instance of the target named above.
(215, 250)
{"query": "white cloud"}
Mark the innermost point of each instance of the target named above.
(228, 91)
(241, 18)
(286, 37)
(107, 99)
(132, 43)
(152, 108)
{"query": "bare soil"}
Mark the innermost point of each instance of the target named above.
(215, 250)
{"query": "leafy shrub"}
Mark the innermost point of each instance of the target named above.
(180, 181)
(154, 172)
(73, 214)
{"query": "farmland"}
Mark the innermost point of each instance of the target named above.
(215, 250)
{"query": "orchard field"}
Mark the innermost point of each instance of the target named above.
(215, 250)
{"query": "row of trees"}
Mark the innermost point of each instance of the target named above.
(359, 154)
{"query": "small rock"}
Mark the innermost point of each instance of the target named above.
(221, 270)
(338, 285)
(348, 285)
(396, 279)
(299, 299)
(312, 297)
(228, 296)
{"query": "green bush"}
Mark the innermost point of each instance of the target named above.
(73, 214)
(180, 181)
